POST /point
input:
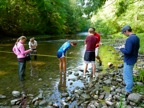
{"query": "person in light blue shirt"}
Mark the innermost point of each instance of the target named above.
(130, 51)
(61, 54)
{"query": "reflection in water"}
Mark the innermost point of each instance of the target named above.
(23, 101)
(62, 82)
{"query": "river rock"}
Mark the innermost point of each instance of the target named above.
(16, 93)
(76, 74)
(140, 83)
(107, 82)
(64, 94)
(135, 97)
(120, 66)
(109, 103)
(43, 102)
(2, 96)
(65, 105)
(15, 101)
(40, 96)
(85, 96)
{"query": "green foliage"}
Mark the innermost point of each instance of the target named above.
(35, 17)
(139, 78)
(138, 88)
(141, 36)
(104, 28)
(90, 7)
(121, 7)
(118, 13)
(141, 75)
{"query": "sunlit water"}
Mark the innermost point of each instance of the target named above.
(45, 71)
(45, 68)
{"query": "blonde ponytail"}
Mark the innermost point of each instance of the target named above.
(20, 38)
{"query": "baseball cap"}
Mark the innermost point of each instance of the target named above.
(126, 27)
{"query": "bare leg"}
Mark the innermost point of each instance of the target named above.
(93, 69)
(64, 63)
(60, 65)
(85, 68)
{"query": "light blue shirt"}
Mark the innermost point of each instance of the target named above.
(65, 47)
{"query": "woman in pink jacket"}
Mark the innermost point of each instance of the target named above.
(20, 51)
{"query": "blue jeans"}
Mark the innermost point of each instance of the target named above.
(128, 77)
(21, 70)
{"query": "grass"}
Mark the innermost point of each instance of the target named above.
(109, 54)
(141, 36)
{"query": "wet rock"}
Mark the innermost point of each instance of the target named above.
(107, 82)
(118, 90)
(120, 66)
(109, 103)
(16, 93)
(135, 71)
(40, 79)
(95, 97)
(117, 97)
(135, 97)
(40, 96)
(68, 99)
(50, 103)
(34, 100)
(36, 103)
(71, 83)
(119, 80)
(55, 105)
(49, 79)
(76, 74)
(30, 95)
(132, 103)
(64, 94)
(96, 104)
(91, 106)
(104, 107)
(102, 96)
(78, 91)
(69, 72)
(85, 96)
(43, 102)
(2, 96)
(65, 105)
(139, 83)
(15, 101)
(112, 88)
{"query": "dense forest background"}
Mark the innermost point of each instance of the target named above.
(51, 17)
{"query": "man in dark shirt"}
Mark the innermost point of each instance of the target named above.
(89, 56)
(130, 51)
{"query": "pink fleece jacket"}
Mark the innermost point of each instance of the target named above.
(21, 53)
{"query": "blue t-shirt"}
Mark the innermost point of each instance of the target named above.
(64, 47)
(131, 49)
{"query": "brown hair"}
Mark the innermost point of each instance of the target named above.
(74, 43)
(91, 30)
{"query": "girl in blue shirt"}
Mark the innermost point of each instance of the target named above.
(61, 54)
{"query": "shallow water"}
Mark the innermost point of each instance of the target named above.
(45, 71)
